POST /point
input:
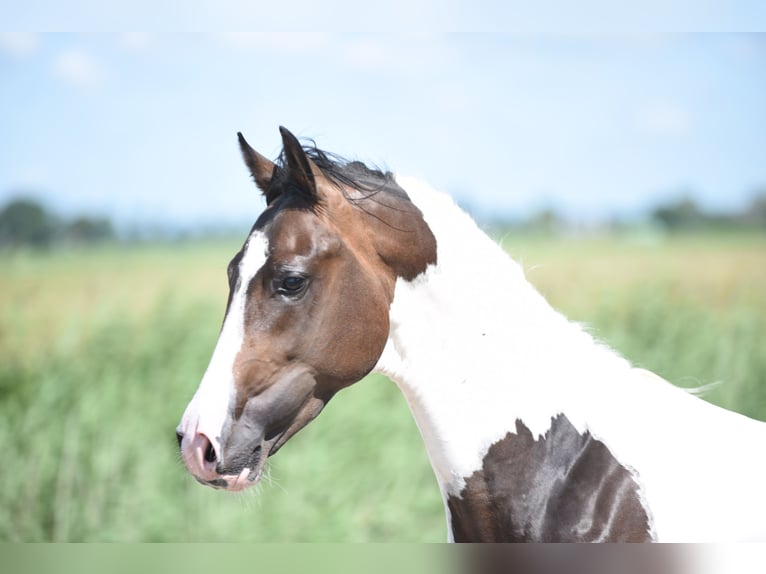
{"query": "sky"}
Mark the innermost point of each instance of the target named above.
(141, 127)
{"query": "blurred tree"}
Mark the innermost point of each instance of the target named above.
(26, 222)
(89, 230)
(682, 214)
(755, 214)
(546, 221)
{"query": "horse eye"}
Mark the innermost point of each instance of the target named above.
(292, 285)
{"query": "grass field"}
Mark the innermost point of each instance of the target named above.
(100, 350)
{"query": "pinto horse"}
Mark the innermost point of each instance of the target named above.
(535, 431)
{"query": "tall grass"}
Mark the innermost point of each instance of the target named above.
(100, 351)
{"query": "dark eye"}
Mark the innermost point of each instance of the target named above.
(292, 285)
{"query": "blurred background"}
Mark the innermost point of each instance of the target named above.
(626, 173)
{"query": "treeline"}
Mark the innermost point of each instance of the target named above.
(685, 214)
(26, 222)
(677, 216)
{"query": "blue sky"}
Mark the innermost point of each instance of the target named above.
(142, 127)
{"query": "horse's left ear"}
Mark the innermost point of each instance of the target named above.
(300, 167)
(260, 168)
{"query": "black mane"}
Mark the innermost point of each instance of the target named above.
(345, 173)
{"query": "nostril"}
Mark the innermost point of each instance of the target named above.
(210, 453)
(179, 438)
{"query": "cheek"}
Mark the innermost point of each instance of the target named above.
(339, 330)
(358, 324)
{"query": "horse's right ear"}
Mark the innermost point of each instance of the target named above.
(261, 168)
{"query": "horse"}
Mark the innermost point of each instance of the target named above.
(535, 430)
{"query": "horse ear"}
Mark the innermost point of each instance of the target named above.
(260, 168)
(299, 166)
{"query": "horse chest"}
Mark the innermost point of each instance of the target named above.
(564, 487)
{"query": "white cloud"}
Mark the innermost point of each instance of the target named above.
(79, 68)
(665, 120)
(19, 43)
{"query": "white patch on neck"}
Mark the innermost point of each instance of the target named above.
(453, 332)
(209, 408)
(473, 347)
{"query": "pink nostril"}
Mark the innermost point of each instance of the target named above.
(210, 453)
(205, 450)
(200, 455)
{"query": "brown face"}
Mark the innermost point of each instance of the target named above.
(307, 316)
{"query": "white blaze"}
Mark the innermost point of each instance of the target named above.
(207, 411)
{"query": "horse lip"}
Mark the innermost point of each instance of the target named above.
(248, 475)
(214, 483)
(248, 471)
(254, 461)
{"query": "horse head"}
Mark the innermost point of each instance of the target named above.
(307, 313)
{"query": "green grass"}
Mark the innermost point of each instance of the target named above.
(100, 351)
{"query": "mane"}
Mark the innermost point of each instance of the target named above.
(345, 174)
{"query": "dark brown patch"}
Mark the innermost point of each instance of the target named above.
(577, 559)
(564, 487)
(402, 239)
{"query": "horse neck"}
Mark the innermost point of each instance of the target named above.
(473, 346)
